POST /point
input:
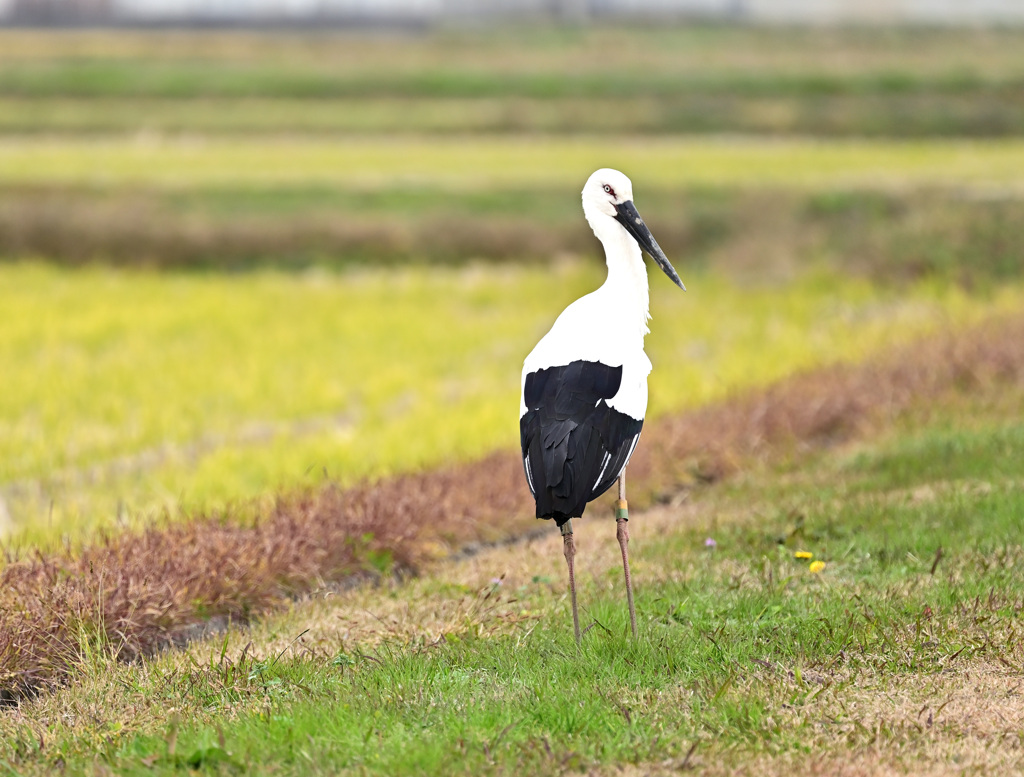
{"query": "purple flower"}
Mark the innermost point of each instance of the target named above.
(710, 543)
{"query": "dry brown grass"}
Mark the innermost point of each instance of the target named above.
(960, 721)
(828, 405)
(130, 593)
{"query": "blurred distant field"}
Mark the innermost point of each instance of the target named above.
(208, 149)
(677, 79)
(205, 149)
(233, 262)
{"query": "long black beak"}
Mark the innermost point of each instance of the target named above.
(630, 219)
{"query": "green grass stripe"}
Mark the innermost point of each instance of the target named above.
(467, 162)
(142, 78)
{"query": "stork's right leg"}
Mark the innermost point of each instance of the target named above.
(622, 533)
(569, 546)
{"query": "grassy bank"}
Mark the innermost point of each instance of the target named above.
(901, 650)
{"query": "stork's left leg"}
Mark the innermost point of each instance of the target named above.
(569, 547)
(622, 532)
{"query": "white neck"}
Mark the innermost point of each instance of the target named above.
(626, 285)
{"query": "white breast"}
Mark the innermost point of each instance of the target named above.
(591, 329)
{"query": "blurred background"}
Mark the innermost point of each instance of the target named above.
(247, 246)
(422, 12)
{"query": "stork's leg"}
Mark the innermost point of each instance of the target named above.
(569, 546)
(622, 532)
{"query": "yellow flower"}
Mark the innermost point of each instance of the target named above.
(817, 566)
(803, 554)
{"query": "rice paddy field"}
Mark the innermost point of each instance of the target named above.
(264, 300)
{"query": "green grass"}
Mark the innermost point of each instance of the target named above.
(130, 392)
(700, 636)
(731, 640)
(183, 79)
(984, 456)
(987, 112)
(499, 163)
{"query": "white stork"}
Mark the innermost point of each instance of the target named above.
(584, 386)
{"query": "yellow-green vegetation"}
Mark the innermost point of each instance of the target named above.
(485, 162)
(130, 391)
(861, 608)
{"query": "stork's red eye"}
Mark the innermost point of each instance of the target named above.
(609, 190)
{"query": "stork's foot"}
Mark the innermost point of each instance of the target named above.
(569, 547)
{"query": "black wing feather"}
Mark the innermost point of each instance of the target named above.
(574, 444)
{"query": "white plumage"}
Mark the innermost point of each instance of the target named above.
(609, 324)
(584, 386)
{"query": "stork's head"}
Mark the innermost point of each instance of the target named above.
(608, 196)
(606, 189)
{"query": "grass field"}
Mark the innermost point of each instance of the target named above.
(475, 163)
(688, 79)
(902, 650)
(913, 112)
(213, 150)
(887, 209)
(191, 390)
(278, 288)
